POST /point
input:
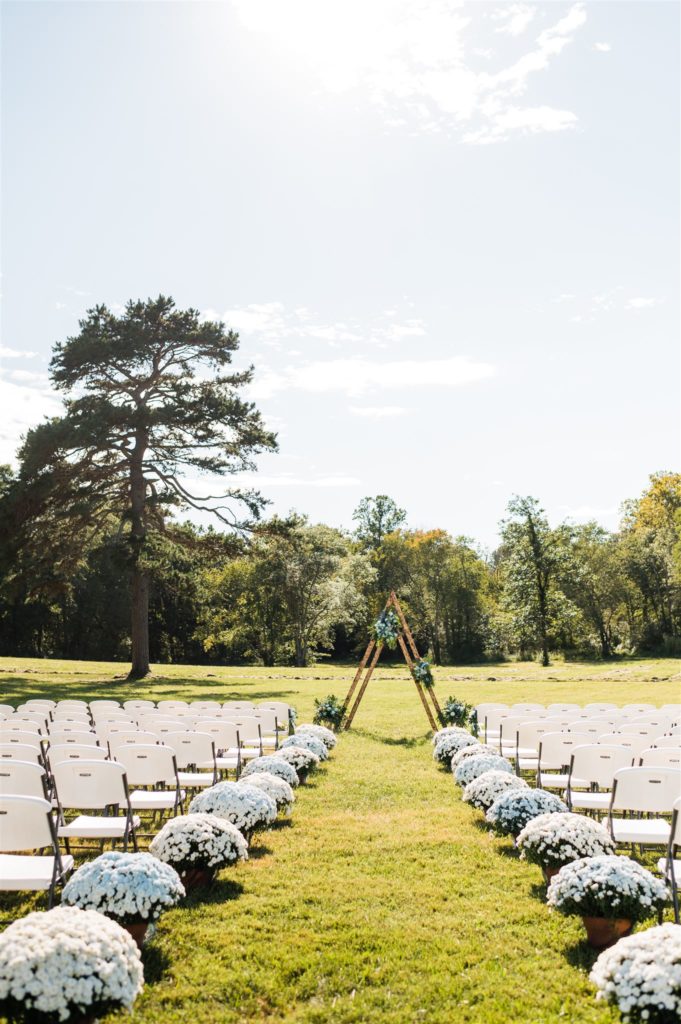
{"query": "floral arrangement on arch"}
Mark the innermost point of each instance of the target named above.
(423, 673)
(450, 744)
(128, 887)
(456, 712)
(274, 766)
(199, 841)
(641, 975)
(276, 789)
(244, 806)
(607, 886)
(328, 711)
(309, 742)
(553, 840)
(510, 812)
(67, 962)
(471, 767)
(327, 737)
(482, 791)
(386, 629)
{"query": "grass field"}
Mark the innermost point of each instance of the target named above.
(384, 899)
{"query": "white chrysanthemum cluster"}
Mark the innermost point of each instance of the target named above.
(607, 886)
(472, 751)
(273, 765)
(552, 840)
(510, 812)
(327, 736)
(276, 789)
(300, 758)
(641, 975)
(451, 743)
(245, 806)
(471, 767)
(450, 730)
(199, 840)
(308, 742)
(482, 791)
(126, 886)
(67, 962)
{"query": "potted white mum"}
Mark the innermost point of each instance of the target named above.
(471, 767)
(451, 743)
(609, 893)
(245, 806)
(274, 766)
(309, 741)
(197, 846)
(131, 888)
(482, 791)
(511, 811)
(641, 976)
(327, 736)
(67, 964)
(300, 758)
(276, 788)
(554, 840)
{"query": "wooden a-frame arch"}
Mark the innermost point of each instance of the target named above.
(370, 660)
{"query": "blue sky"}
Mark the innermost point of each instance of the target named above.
(448, 233)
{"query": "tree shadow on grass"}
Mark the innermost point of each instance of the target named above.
(408, 742)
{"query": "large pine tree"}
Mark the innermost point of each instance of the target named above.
(148, 400)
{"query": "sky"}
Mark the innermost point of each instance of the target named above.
(447, 233)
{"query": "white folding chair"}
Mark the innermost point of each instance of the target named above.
(661, 757)
(154, 767)
(651, 791)
(57, 752)
(562, 708)
(281, 710)
(528, 737)
(554, 757)
(269, 728)
(225, 736)
(600, 707)
(171, 705)
(93, 785)
(250, 736)
(138, 705)
(639, 708)
(42, 702)
(670, 866)
(593, 767)
(492, 724)
(239, 707)
(22, 778)
(508, 728)
(27, 825)
(60, 736)
(20, 752)
(195, 757)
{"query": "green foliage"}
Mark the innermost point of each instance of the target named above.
(329, 712)
(386, 629)
(423, 673)
(456, 712)
(376, 518)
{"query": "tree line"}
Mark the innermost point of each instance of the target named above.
(97, 563)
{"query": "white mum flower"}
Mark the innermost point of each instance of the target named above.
(309, 742)
(641, 975)
(482, 791)
(607, 886)
(199, 840)
(552, 840)
(126, 886)
(327, 736)
(245, 806)
(303, 760)
(274, 766)
(471, 767)
(512, 810)
(276, 788)
(451, 743)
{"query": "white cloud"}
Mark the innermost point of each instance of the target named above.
(378, 412)
(640, 302)
(356, 376)
(22, 407)
(409, 57)
(514, 18)
(260, 481)
(603, 47)
(15, 353)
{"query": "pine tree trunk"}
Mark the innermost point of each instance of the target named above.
(140, 625)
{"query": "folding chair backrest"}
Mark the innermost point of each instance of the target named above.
(225, 734)
(42, 702)
(560, 709)
(25, 823)
(168, 705)
(31, 739)
(118, 739)
(77, 705)
(105, 717)
(240, 707)
(248, 727)
(89, 784)
(659, 722)
(667, 741)
(155, 722)
(639, 708)
(592, 729)
(138, 705)
(600, 707)
(674, 709)
(638, 729)
(530, 733)
(147, 764)
(191, 747)
(73, 736)
(102, 705)
(597, 763)
(22, 778)
(661, 757)
(555, 748)
(24, 723)
(19, 752)
(268, 719)
(277, 706)
(75, 752)
(521, 709)
(646, 789)
(204, 705)
(6, 709)
(70, 718)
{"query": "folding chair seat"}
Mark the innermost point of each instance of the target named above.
(661, 757)
(554, 757)
(27, 825)
(670, 866)
(195, 751)
(20, 752)
(644, 791)
(93, 785)
(22, 778)
(595, 764)
(151, 765)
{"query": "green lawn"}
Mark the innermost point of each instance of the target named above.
(384, 899)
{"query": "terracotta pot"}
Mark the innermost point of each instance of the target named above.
(602, 932)
(198, 878)
(302, 775)
(138, 929)
(549, 873)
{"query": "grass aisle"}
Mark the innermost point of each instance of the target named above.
(383, 901)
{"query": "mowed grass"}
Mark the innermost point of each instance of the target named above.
(384, 898)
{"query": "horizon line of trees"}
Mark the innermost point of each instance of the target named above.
(291, 591)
